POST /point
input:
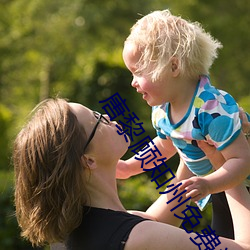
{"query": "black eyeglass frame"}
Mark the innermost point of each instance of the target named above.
(100, 118)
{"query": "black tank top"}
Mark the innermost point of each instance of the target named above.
(102, 229)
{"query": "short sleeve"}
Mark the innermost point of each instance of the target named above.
(218, 119)
(162, 136)
(159, 121)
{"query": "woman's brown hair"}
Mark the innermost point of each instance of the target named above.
(49, 181)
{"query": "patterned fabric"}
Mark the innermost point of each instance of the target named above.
(213, 115)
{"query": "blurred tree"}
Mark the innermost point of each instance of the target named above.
(5, 123)
(228, 21)
(54, 47)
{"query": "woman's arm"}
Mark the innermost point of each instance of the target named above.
(245, 123)
(233, 172)
(160, 236)
(239, 203)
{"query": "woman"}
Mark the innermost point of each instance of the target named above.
(65, 188)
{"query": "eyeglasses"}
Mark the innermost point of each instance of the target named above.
(100, 118)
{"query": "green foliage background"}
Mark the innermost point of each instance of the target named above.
(72, 48)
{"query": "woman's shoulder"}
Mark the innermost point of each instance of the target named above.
(110, 227)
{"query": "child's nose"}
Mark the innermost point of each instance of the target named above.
(134, 83)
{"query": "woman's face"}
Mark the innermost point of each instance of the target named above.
(106, 142)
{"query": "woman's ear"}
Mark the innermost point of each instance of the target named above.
(90, 161)
(175, 66)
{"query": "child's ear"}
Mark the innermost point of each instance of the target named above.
(175, 66)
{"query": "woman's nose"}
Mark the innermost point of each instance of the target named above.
(110, 121)
(107, 117)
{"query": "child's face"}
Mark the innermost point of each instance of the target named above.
(152, 92)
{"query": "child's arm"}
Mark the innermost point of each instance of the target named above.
(130, 167)
(233, 172)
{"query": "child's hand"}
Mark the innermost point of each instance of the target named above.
(197, 187)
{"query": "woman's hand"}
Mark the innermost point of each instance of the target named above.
(245, 124)
(214, 156)
(198, 187)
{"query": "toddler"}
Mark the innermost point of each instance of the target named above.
(170, 59)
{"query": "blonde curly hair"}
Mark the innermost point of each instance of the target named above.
(49, 181)
(160, 36)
